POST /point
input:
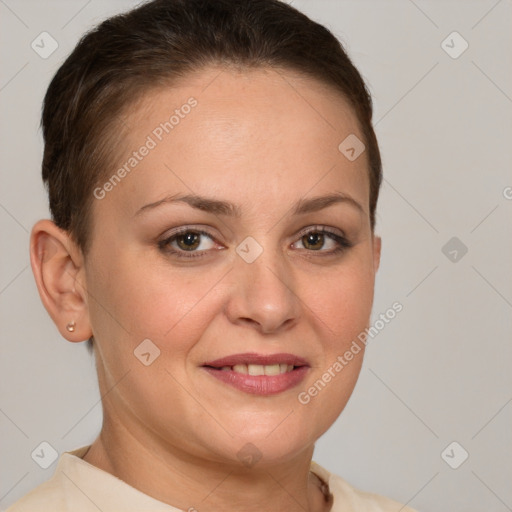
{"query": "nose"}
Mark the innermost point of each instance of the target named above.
(262, 294)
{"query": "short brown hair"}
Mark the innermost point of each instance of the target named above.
(158, 43)
(162, 40)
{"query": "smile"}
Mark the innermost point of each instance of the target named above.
(259, 369)
(259, 374)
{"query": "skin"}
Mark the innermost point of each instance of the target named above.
(262, 139)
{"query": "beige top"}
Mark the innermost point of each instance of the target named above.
(78, 486)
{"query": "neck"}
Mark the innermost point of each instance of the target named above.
(187, 482)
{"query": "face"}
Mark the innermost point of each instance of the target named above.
(215, 245)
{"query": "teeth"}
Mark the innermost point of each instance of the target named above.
(240, 368)
(272, 369)
(259, 369)
(256, 369)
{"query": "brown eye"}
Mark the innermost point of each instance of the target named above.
(188, 241)
(322, 241)
(313, 241)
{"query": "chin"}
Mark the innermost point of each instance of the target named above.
(278, 439)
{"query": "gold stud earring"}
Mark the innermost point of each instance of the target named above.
(71, 326)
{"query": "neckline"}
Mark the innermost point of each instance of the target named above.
(322, 475)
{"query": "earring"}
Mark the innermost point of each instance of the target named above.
(71, 326)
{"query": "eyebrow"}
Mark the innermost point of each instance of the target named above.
(226, 208)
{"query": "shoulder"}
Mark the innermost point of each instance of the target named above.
(77, 486)
(348, 498)
(50, 495)
(47, 496)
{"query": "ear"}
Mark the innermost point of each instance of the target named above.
(58, 267)
(377, 245)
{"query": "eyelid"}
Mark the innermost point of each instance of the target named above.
(321, 229)
(185, 229)
(164, 241)
(336, 234)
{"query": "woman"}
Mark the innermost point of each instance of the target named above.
(213, 177)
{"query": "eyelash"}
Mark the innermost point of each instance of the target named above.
(164, 245)
(342, 243)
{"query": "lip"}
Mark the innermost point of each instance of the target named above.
(253, 358)
(264, 385)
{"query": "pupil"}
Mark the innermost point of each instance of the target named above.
(189, 240)
(314, 239)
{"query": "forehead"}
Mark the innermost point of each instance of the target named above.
(264, 135)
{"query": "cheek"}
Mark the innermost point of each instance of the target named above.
(137, 301)
(341, 312)
(341, 306)
(343, 301)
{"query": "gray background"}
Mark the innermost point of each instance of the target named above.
(440, 371)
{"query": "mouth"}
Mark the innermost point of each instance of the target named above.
(259, 369)
(259, 374)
